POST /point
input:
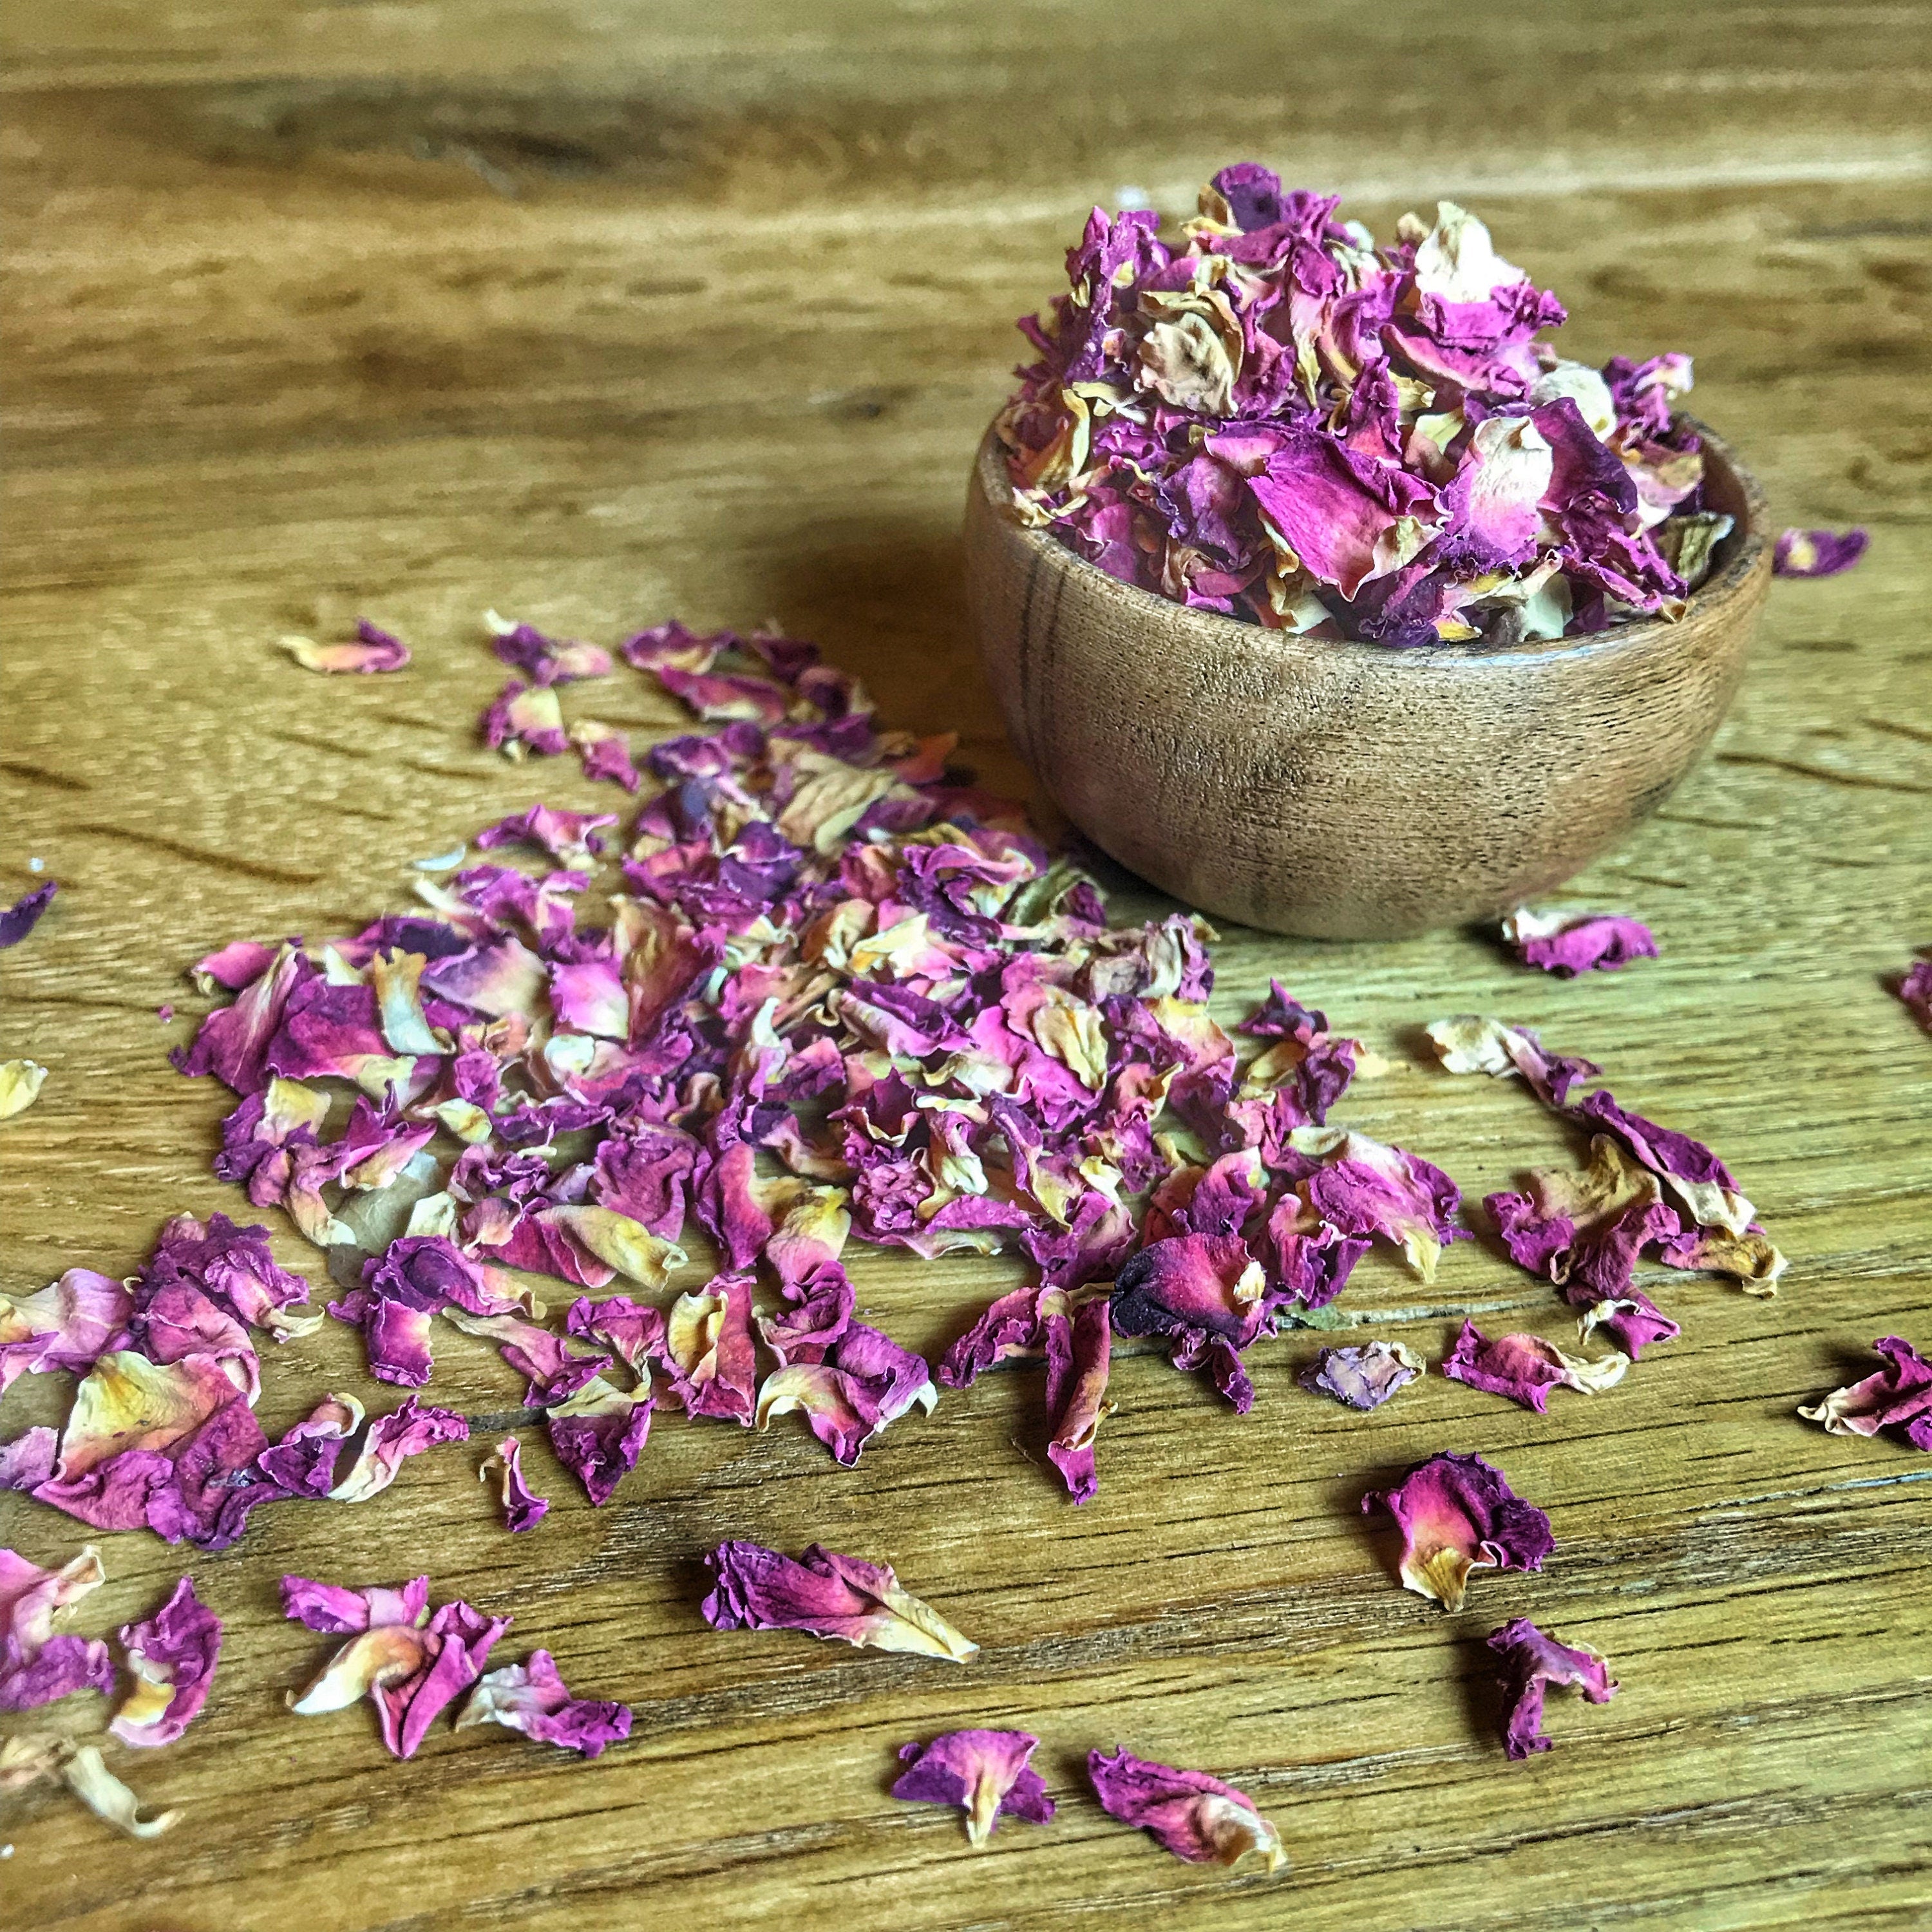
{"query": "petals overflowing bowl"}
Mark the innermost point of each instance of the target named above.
(1349, 628)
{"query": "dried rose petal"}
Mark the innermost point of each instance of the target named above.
(67, 1325)
(505, 1465)
(598, 1434)
(1458, 1514)
(391, 1440)
(1471, 1044)
(1817, 553)
(531, 1697)
(24, 914)
(545, 660)
(1915, 988)
(866, 1382)
(1363, 1375)
(1525, 1368)
(173, 1657)
(1898, 1397)
(1577, 942)
(1202, 1292)
(1633, 1322)
(27, 1759)
(1584, 1232)
(1531, 1662)
(161, 1445)
(410, 1664)
(37, 1665)
(20, 1084)
(829, 1596)
(708, 1350)
(374, 650)
(985, 1773)
(1195, 1816)
(1363, 1187)
(1078, 1346)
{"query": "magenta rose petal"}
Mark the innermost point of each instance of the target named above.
(409, 1663)
(531, 1697)
(1531, 1662)
(19, 918)
(522, 1509)
(1195, 1816)
(985, 1773)
(1572, 942)
(1897, 1398)
(172, 1656)
(1458, 1514)
(827, 1595)
(1525, 1368)
(1817, 553)
(371, 650)
(1633, 1322)
(1915, 988)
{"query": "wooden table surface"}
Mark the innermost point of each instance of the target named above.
(595, 313)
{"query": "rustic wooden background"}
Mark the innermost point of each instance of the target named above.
(598, 312)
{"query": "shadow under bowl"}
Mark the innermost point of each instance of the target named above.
(1345, 790)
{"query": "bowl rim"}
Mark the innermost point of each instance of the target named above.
(1707, 602)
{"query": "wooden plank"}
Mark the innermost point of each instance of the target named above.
(593, 319)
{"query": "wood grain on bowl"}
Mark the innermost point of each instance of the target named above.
(1340, 789)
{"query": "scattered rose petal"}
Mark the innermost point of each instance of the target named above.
(20, 1084)
(374, 650)
(1458, 1514)
(1577, 942)
(866, 1382)
(530, 1697)
(828, 1595)
(1525, 1368)
(24, 914)
(1363, 1375)
(598, 1434)
(1362, 1187)
(1632, 1321)
(24, 1759)
(985, 1773)
(1817, 553)
(1584, 1232)
(1531, 1662)
(38, 1666)
(504, 1465)
(1898, 1397)
(173, 1657)
(1195, 1816)
(1915, 988)
(391, 1440)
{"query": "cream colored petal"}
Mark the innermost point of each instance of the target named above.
(371, 1660)
(108, 1798)
(20, 1084)
(619, 1242)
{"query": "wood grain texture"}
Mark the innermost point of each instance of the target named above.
(593, 313)
(1338, 789)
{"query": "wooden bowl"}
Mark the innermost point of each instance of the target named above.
(1346, 790)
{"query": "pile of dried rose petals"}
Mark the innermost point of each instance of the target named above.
(1273, 418)
(840, 993)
